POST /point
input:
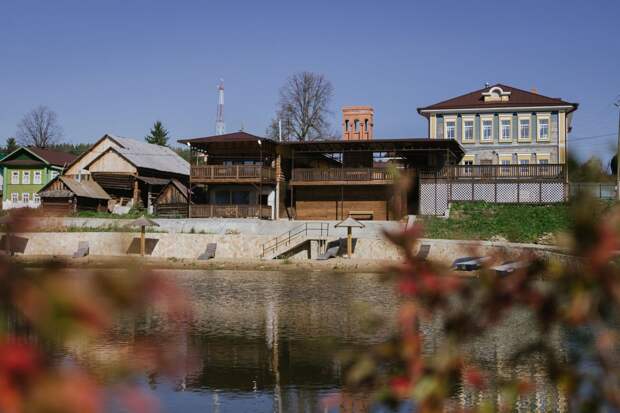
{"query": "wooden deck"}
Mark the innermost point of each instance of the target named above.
(342, 176)
(229, 211)
(211, 174)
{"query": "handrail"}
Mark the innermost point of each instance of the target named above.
(221, 172)
(512, 171)
(286, 238)
(342, 174)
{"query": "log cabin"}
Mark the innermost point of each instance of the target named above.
(65, 195)
(173, 200)
(132, 172)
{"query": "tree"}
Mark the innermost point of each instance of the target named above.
(39, 128)
(303, 108)
(158, 135)
(11, 145)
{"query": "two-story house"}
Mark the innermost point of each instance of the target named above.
(502, 125)
(26, 171)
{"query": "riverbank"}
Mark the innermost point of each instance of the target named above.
(111, 262)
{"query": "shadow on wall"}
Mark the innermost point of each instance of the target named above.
(149, 246)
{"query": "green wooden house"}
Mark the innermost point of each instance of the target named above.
(26, 171)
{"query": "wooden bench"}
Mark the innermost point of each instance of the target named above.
(366, 214)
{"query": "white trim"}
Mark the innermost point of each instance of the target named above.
(34, 177)
(496, 109)
(447, 119)
(521, 117)
(487, 118)
(24, 175)
(503, 118)
(472, 119)
(543, 116)
(15, 174)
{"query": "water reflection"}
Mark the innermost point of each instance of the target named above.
(267, 342)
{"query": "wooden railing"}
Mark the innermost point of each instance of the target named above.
(296, 234)
(232, 173)
(492, 172)
(229, 211)
(330, 175)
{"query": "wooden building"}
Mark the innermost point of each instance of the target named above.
(132, 172)
(173, 200)
(317, 180)
(234, 176)
(65, 195)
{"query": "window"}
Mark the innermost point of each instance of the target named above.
(222, 197)
(36, 199)
(26, 197)
(15, 177)
(14, 197)
(505, 161)
(468, 130)
(487, 130)
(37, 177)
(346, 125)
(505, 130)
(524, 129)
(524, 161)
(365, 125)
(26, 177)
(543, 129)
(450, 129)
(53, 174)
(468, 166)
(356, 124)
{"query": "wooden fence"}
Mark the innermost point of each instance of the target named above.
(342, 175)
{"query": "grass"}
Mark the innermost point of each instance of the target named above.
(133, 213)
(515, 223)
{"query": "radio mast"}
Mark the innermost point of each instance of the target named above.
(220, 126)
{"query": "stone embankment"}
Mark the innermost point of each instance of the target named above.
(243, 240)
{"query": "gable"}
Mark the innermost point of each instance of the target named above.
(111, 161)
(80, 164)
(22, 157)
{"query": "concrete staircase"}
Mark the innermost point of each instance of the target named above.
(295, 238)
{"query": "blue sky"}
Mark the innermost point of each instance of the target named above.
(116, 66)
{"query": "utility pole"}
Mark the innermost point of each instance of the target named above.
(220, 126)
(617, 104)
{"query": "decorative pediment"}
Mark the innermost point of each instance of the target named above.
(496, 94)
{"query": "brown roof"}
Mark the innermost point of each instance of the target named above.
(85, 189)
(518, 98)
(54, 157)
(227, 137)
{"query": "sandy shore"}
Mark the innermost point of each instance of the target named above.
(335, 264)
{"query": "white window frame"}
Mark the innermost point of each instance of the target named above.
(503, 118)
(446, 120)
(473, 129)
(37, 177)
(53, 174)
(543, 157)
(15, 177)
(505, 166)
(25, 197)
(14, 197)
(468, 160)
(26, 177)
(524, 159)
(486, 118)
(547, 117)
(36, 199)
(527, 138)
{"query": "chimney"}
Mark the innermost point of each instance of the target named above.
(534, 90)
(357, 123)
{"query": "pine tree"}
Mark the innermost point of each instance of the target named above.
(11, 145)
(158, 135)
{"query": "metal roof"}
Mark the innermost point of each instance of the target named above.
(150, 156)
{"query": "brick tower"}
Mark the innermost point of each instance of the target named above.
(357, 123)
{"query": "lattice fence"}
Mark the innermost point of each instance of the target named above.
(435, 195)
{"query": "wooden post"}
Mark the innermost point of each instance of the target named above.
(142, 241)
(349, 242)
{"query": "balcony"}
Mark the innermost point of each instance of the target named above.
(212, 174)
(229, 211)
(342, 176)
(496, 172)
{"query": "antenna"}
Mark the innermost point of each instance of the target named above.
(220, 126)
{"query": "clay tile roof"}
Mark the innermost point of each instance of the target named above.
(517, 98)
(53, 157)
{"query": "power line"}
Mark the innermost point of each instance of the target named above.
(580, 138)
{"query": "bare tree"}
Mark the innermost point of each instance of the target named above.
(39, 128)
(303, 108)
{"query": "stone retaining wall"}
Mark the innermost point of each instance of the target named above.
(249, 246)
